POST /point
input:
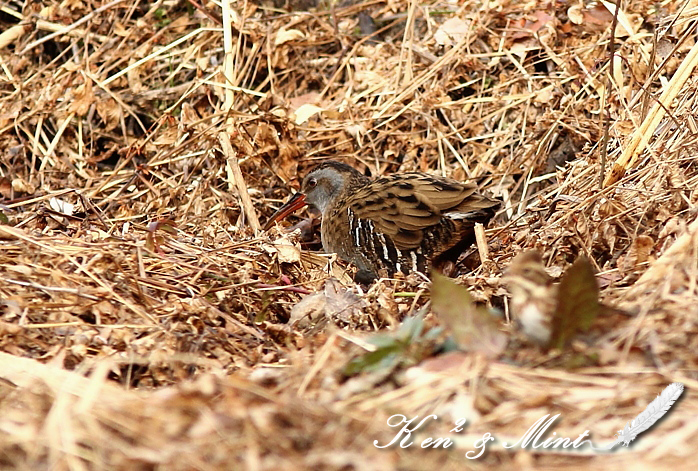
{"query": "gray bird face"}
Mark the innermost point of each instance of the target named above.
(321, 187)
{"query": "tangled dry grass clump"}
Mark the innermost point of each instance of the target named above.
(147, 322)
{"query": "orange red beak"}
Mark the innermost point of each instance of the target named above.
(296, 202)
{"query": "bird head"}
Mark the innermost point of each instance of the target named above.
(320, 187)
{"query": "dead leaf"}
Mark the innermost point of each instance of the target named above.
(629, 23)
(19, 185)
(334, 302)
(451, 32)
(473, 328)
(286, 35)
(577, 303)
(308, 310)
(5, 187)
(82, 99)
(286, 248)
(638, 255)
(110, 112)
(532, 296)
(642, 248)
(312, 98)
(305, 112)
(287, 251)
(532, 24)
(552, 314)
(574, 13)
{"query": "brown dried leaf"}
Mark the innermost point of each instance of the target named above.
(473, 328)
(577, 303)
(82, 99)
(334, 302)
(638, 254)
(305, 112)
(451, 32)
(285, 35)
(532, 24)
(5, 187)
(287, 251)
(110, 112)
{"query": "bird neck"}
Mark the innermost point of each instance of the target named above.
(344, 186)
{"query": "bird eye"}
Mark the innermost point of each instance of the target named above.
(312, 183)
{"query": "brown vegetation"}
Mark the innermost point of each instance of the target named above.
(147, 323)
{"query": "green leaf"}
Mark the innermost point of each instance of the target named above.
(410, 329)
(390, 348)
(383, 358)
(577, 303)
(473, 328)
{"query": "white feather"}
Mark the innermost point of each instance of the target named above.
(650, 415)
(459, 214)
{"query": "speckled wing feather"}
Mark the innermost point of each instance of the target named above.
(405, 207)
(403, 221)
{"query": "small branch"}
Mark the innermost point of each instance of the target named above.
(605, 117)
(481, 242)
(235, 178)
(645, 132)
(71, 27)
(292, 289)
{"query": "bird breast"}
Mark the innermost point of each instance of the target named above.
(339, 233)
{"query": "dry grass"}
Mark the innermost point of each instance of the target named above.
(144, 320)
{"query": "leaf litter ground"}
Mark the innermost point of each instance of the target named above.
(146, 323)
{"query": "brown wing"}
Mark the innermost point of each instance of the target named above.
(404, 207)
